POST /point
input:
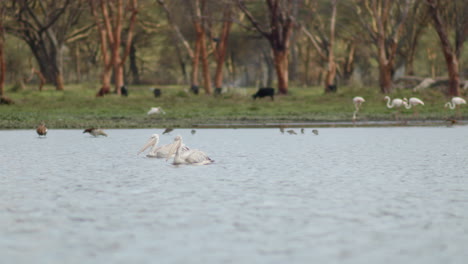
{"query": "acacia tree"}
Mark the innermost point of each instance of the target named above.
(277, 32)
(414, 27)
(198, 20)
(45, 25)
(458, 14)
(109, 17)
(178, 38)
(325, 48)
(384, 20)
(221, 46)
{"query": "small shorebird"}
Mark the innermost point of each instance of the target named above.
(315, 131)
(95, 132)
(41, 129)
(292, 132)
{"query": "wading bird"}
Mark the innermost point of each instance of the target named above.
(455, 103)
(95, 132)
(396, 102)
(41, 129)
(357, 101)
(160, 152)
(156, 110)
(191, 156)
(412, 102)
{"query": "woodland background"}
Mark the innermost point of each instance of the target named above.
(226, 44)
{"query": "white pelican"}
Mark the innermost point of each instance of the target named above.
(156, 110)
(160, 152)
(41, 129)
(357, 101)
(412, 102)
(456, 101)
(192, 156)
(95, 132)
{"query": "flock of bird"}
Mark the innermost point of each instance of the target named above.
(176, 150)
(181, 154)
(408, 104)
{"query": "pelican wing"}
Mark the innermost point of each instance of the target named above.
(197, 157)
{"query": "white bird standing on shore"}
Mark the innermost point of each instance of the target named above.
(156, 110)
(160, 152)
(357, 101)
(455, 103)
(192, 156)
(412, 102)
(396, 102)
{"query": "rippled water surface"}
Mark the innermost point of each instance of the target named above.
(348, 195)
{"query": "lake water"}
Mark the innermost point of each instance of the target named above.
(347, 195)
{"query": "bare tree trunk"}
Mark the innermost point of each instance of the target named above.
(205, 63)
(281, 66)
(195, 64)
(348, 67)
(111, 36)
(2, 59)
(222, 47)
(331, 69)
(450, 58)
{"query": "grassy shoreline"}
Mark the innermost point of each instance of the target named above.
(77, 107)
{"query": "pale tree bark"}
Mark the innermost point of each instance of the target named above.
(331, 69)
(451, 55)
(109, 17)
(384, 27)
(278, 33)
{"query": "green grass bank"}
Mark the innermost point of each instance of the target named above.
(78, 107)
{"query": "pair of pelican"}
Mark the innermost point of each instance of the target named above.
(176, 150)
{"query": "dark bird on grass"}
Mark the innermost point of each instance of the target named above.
(95, 132)
(41, 129)
(315, 131)
(168, 130)
(292, 132)
(193, 131)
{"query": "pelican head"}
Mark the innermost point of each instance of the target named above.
(153, 140)
(175, 146)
